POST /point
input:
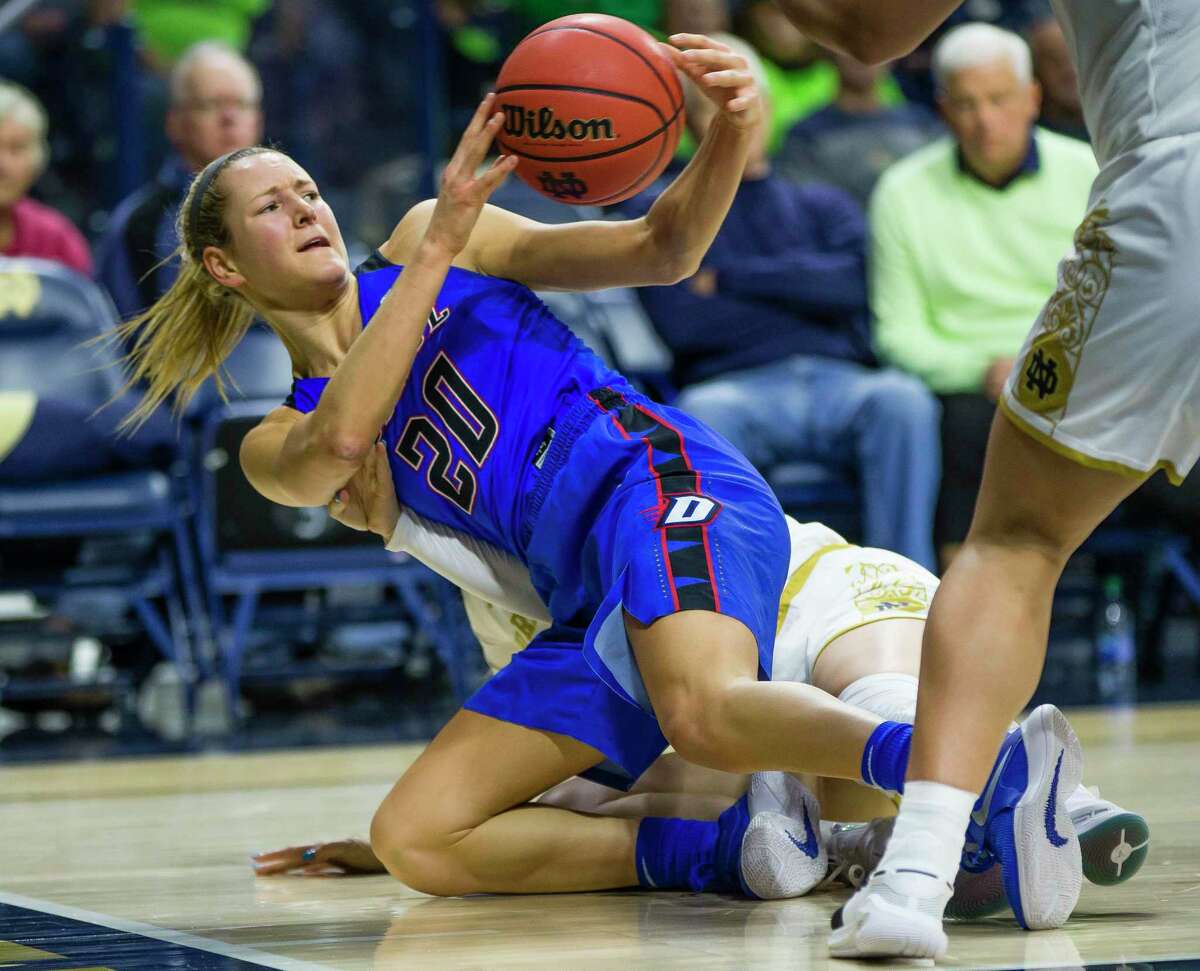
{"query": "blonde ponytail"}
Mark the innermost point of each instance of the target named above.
(184, 338)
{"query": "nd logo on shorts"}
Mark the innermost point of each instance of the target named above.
(1046, 376)
(689, 510)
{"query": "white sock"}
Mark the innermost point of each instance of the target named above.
(893, 697)
(930, 830)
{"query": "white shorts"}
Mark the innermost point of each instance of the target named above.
(1110, 374)
(835, 587)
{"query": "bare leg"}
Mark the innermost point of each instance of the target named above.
(670, 787)
(459, 822)
(985, 642)
(700, 671)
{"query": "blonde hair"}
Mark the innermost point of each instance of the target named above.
(184, 338)
(22, 107)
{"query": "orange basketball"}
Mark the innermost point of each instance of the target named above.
(592, 108)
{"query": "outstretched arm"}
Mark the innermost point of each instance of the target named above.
(302, 460)
(873, 31)
(667, 244)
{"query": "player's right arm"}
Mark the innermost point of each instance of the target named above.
(873, 31)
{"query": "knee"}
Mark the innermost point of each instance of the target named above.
(697, 724)
(415, 855)
(722, 405)
(901, 399)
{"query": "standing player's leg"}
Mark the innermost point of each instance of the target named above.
(1035, 508)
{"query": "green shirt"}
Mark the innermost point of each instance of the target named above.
(959, 270)
(170, 27)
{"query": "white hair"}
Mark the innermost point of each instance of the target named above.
(973, 45)
(200, 54)
(22, 107)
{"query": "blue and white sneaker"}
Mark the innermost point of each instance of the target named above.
(1021, 820)
(781, 853)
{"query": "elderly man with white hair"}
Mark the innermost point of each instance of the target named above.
(966, 233)
(215, 108)
(27, 227)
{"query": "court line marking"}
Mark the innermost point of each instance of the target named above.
(164, 934)
(1050, 964)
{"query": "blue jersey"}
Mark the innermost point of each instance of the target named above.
(511, 430)
(494, 370)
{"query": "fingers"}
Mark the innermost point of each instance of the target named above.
(696, 42)
(279, 861)
(728, 79)
(496, 173)
(476, 140)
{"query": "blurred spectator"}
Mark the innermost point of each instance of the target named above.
(771, 347)
(966, 235)
(478, 34)
(850, 142)
(215, 97)
(169, 27)
(800, 77)
(914, 72)
(303, 48)
(28, 228)
(1062, 109)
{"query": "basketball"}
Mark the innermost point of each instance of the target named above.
(593, 109)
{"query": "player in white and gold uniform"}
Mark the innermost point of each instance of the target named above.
(1106, 390)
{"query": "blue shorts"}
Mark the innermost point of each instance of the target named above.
(638, 508)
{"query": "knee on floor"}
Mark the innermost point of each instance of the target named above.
(417, 855)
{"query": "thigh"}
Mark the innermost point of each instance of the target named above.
(758, 411)
(1034, 500)
(887, 647)
(477, 767)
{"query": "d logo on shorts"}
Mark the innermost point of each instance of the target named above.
(689, 510)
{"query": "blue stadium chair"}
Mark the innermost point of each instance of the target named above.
(250, 547)
(46, 312)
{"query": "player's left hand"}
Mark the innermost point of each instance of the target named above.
(722, 75)
(338, 858)
(368, 501)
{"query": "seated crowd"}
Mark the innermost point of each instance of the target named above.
(895, 236)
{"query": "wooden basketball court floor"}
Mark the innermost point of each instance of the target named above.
(145, 864)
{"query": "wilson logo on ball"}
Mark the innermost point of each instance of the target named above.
(541, 123)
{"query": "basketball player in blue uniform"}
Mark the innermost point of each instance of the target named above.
(850, 623)
(658, 551)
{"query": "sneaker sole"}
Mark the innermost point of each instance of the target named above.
(773, 867)
(1042, 882)
(880, 929)
(1115, 849)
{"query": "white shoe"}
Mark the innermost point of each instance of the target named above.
(1114, 841)
(782, 855)
(855, 850)
(897, 914)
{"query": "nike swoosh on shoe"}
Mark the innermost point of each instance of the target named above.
(1052, 833)
(809, 847)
